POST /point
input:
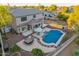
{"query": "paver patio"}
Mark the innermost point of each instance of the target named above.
(35, 44)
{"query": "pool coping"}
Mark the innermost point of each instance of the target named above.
(58, 42)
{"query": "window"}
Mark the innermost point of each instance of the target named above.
(37, 25)
(29, 27)
(23, 18)
(45, 15)
(34, 16)
(50, 16)
(23, 28)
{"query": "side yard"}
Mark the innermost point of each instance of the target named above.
(69, 51)
(67, 36)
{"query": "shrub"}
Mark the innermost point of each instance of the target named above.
(14, 48)
(76, 53)
(37, 52)
(63, 17)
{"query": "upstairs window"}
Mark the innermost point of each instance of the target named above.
(23, 19)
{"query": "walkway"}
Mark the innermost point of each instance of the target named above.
(63, 46)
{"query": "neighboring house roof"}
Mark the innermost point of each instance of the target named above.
(69, 9)
(51, 13)
(17, 12)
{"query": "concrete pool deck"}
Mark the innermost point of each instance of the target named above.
(47, 30)
(35, 44)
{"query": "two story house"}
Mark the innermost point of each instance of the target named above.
(25, 20)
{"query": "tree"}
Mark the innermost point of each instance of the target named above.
(75, 8)
(63, 17)
(37, 52)
(73, 21)
(63, 9)
(5, 17)
(52, 7)
(41, 7)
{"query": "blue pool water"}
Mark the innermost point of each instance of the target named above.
(52, 36)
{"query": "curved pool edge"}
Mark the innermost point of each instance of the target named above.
(58, 42)
(60, 39)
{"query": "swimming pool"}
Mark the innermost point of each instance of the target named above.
(53, 37)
